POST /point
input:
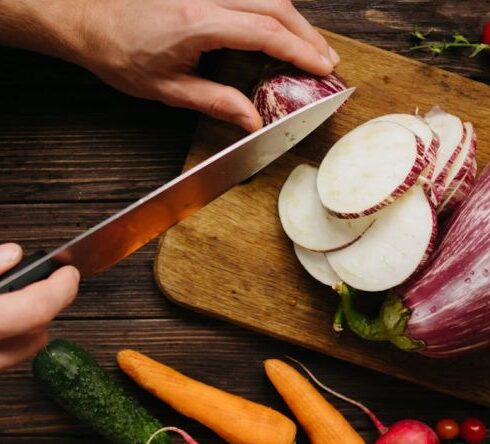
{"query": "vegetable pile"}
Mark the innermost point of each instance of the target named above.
(371, 218)
(72, 378)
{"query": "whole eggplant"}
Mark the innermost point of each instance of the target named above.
(443, 311)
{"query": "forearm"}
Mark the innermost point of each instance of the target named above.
(52, 27)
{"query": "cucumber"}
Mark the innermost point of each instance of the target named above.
(74, 380)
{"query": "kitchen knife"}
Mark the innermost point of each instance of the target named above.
(115, 238)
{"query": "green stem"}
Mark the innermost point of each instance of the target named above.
(437, 48)
(395, 317)
(367, 328)
(338, 319)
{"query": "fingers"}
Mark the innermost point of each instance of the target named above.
(254, 32)
(10, 255)
(16, 350)
(36, 305)
(288, 16)
(219, 101)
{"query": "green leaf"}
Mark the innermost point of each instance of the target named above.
(459, 38)
(479, 48)
(419, 35)
(437, 49)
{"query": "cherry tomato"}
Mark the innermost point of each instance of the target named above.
(447, 429)
(485, 37)
(473, 431)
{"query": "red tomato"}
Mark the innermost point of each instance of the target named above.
(447, 429)
(473, 431)
(485, 37)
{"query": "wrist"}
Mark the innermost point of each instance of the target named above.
(52, 27)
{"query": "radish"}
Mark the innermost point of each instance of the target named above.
(305, 220)
(286, 89)
(443, 311)
(451, 133)
(316, 265)
(406, 431)
(369, 168)
(420, 128)
(392, 249)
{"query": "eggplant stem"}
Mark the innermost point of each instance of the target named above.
(382, 429)
(338, 320)
(367, 328)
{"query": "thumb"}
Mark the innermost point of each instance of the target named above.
(211, 98)
(10, 255)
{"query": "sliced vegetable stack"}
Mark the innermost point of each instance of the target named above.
(367, 219)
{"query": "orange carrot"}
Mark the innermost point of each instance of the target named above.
(322, 422)
(235, 419)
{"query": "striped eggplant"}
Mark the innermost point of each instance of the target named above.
(286, 89)
(444, 311)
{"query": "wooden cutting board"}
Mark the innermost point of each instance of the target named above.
(232, 260)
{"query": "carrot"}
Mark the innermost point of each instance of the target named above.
(235, 419)
(322, 422)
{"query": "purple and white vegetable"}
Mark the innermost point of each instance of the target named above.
(462, 173)
(369, 168)
(304, 219)
(451, 133)
(443, 311)
(285, 90)
(316, 265)
(392, 249)
(422, 130)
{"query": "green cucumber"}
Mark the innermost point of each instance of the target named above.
(74, 380)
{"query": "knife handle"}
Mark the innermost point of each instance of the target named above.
(42, 271)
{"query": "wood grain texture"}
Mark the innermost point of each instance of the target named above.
(233, 260)
(116, 149)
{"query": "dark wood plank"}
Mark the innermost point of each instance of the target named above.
(219, 354)
(86, 153)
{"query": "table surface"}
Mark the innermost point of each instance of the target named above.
(73, 151)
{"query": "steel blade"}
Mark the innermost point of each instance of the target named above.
(123, 233)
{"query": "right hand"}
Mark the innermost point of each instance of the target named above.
(25, 314)
(150, 49)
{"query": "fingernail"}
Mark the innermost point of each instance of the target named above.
(250, 124)
(9, 253)
(76, 273)
(334, 56)
(327, 63)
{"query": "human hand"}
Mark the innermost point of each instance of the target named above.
(25, 314)
(150, 49)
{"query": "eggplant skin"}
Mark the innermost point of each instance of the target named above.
(449, 301)
(286, 89)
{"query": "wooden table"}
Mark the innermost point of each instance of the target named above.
(73, 151)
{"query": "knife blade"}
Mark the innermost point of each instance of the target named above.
(107, 243)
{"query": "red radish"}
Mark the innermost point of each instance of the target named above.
(485, 38)
(443, 311)
(285, 90)
(473, 431)
(407, 431)
(316, 265)
(392, 249)
(369, 168)
(450, 131)
(305, 220)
